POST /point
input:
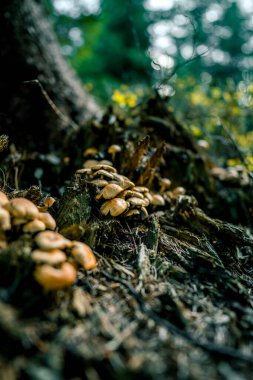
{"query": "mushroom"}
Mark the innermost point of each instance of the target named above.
(5, 220)
(123, 181)
(137, 202)
(157, 200)
(83, 255)
(179, 191)
(55, 278)
(115, 207)
(103, 173)
(3, 198)
(89, 163)
(90, 152)
(35, 225)
(106, 162)
(113, 150)
(49, 202)
(109, 191)
(47, 219)
(131, 193)
(54, 257)
(164, 183)
(48, 240)
(141, 189)
(108, 168)
(132, 212)
(100, 182)
(22, 208)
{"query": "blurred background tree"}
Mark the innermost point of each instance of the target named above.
(196, 52)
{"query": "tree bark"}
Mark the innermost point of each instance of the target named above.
(29, 52)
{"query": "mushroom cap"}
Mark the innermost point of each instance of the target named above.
(86, 171)
(114, 149)
(90, 151)
(83, 255)
(99, 182)
(131, 193)
(123, 181)
(35, 225)
(49, 202)
(48, 240)
(141, 189)
(165, 183)
(105, 162)
(109, 168)
(3, 198)
(179, 191)
(132, 212)
(103, 173)
(54, 257)
(22, 208)
(157, 200)
(109, 191)
(115, 207)
(47, 219)
(89, 163)
(5, 220)
(134, 201)
(55, 278)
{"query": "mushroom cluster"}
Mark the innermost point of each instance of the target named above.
(56, 258)
(120, 196)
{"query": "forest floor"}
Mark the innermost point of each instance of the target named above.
(171, 296)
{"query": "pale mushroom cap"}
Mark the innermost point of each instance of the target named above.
(48, 220)
(99, 182)
(103, 173)
(48, 240)
(22, 208)
(90, 151)
(5, 220)
(158, 200)
(53, 279)
(131, 193)
(3, 198)
(105, 162)
(115, 207)
(114, 149)
(35, 225)
(141, 189)
(179, 190)
(109, 168)
(18, 221)
(109, 191)
(123, 181)
(132, 212)
(83, 255)
(86, 171)
(89, 163)
(53, 257)
(165, 183)
(134, 201)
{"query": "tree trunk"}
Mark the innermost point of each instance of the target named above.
(29, 52)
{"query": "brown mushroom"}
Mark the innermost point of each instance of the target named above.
(108, 168)
(47, 219)
(90, 152)
(48, 240)
(22, 208)
(157, 200)
(103, 173)
(54, 257)
(132, 212)
(3, 198)
(89, 163)
(83, 255)
(99, 182)
(164, 183)
(35, 225)
(113, 150)
(51, 278)
(138, 202)
(109, 191)
(115, 207)
(5, 220)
